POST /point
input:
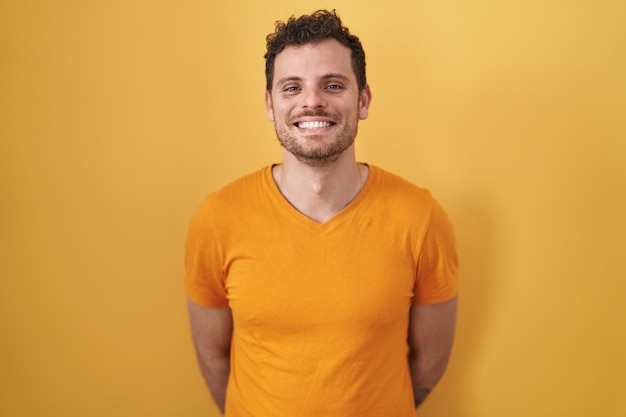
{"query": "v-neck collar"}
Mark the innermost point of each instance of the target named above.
(295, 216)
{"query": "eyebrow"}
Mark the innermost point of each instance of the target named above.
(329, 76)
(337, 75)
(288, 79)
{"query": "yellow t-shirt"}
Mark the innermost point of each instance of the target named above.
(320, 311)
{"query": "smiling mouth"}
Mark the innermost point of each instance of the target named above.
(313, 124)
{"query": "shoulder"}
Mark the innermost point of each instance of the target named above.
(235, 197)
(398, 189)
(248, 183)
(241, 190)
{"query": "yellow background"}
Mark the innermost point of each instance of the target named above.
(117, 117)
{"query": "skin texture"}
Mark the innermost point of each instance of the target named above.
(312, 84)
(319, 175)
(211, 330)
(431, 334)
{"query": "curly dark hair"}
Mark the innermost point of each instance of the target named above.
(313, 28)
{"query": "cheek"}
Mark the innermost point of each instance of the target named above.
(277, 112)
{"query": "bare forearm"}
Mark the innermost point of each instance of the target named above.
(431, 333)
(212, 330)
(215, 372)
(425, 374)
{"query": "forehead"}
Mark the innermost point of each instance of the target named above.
(314, 60)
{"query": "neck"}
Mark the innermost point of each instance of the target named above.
(320, 192)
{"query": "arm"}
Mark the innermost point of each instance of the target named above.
(211, 329)
(431, 332)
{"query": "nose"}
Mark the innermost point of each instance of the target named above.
(313, 98)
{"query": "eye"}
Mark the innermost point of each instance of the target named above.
(291, 88)
(334, 87)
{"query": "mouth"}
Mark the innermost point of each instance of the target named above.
(313, 124)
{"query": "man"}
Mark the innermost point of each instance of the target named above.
(320, 286)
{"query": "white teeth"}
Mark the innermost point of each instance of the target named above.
(313, 125)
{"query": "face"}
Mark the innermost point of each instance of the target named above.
(315, 103)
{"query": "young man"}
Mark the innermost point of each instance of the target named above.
(320, 286)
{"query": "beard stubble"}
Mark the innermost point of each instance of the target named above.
(313, 154)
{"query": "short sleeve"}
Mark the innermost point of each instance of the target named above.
(204, 277)
(437, 268)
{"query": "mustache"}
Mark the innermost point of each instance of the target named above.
(312, 113)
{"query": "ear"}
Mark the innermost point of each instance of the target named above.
(365, 98)
(268, 105)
